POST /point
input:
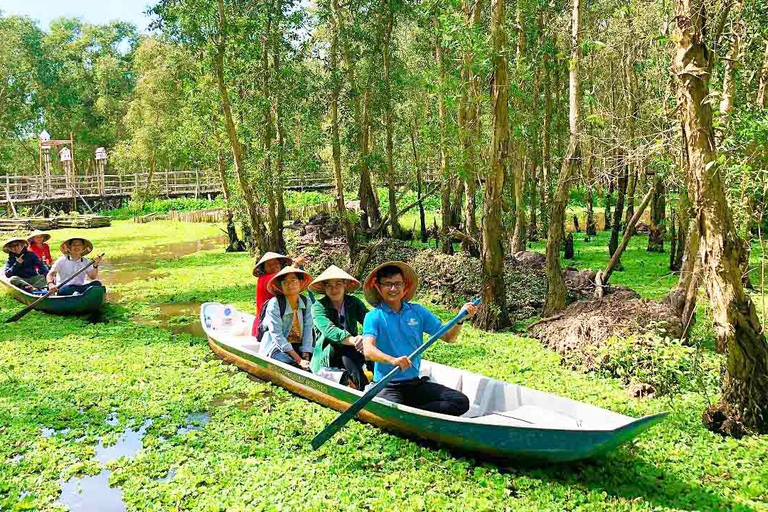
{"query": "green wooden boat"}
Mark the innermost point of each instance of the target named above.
(505, 421)
(89, 302)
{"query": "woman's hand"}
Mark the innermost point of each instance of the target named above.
(304, 364)
(357, 341)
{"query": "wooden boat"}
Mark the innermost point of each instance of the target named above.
(89, 302)
(504, 421)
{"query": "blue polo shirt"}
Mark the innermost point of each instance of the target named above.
(399, 334)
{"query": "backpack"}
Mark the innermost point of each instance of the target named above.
(282, 303)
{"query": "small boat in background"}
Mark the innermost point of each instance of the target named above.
(504, 421)
(89, 302)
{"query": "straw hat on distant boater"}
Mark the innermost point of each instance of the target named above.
(64, 247)
(373, 296)
(11, 241)
(331, 273)
(37, 232)
(274, 283)
(258, 269)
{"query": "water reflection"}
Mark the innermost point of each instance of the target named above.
(91, 493)
(195, 421)
(129, 443)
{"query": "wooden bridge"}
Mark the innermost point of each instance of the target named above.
(31, 190)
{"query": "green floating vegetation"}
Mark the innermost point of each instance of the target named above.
(68, 373)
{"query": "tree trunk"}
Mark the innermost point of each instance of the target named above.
(762, 90)
(608, 196)
(619, 210)
(389, 125)
(277, 107)
(546, 149)
(369, 203)
(631, 189)
(658, 210)
(672, 240)
(422, 218)
(237, 150)
(469, 123)
(518, 236)
(731, 64)
(555, 300)
(341, 208)
(493, 314)
(602, 278)
(446, 247)
(533, 179)
(737, 327)
(273, 241)
(591, 228)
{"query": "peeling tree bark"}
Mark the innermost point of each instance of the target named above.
(446, 247)
(762, 91)
(555, 300)
(389, 123)
(341, 208)
(658, 215)
(744, 400)
(237, 149)
(493, 313)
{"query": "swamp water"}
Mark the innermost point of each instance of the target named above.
(179, 317)
(89, 493)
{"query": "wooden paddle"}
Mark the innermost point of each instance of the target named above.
(29, 308)
(369, 395)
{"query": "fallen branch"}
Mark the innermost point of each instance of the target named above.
(385, 222)
(602, 277)
(457, 233)
(545, 320)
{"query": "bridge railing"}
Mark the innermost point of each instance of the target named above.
(35, 188)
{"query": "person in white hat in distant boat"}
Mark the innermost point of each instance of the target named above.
(395, 328)
(336, 317)
(74, 250)
(23, 269)
(286, 328)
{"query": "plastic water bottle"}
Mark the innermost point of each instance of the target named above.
(227, 317)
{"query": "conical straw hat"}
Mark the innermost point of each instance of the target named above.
(285, 260)
(11, 241)
(373, 296)
(275, 289)
(37, 232)
(333, 272)
(64, 247)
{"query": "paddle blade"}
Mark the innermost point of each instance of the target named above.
(19, 315)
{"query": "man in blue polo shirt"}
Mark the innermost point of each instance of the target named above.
(394, 329)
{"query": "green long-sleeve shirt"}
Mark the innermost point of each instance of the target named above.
(328, 327)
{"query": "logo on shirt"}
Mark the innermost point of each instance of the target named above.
(413, 322)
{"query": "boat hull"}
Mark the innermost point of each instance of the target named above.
(496, 441)
(89, 302)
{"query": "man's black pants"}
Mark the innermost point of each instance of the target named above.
(347, 357)
(430, 396)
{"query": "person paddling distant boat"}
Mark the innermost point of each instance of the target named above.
(74, 250)
(394, 329)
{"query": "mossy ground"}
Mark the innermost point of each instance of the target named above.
(254, 453)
